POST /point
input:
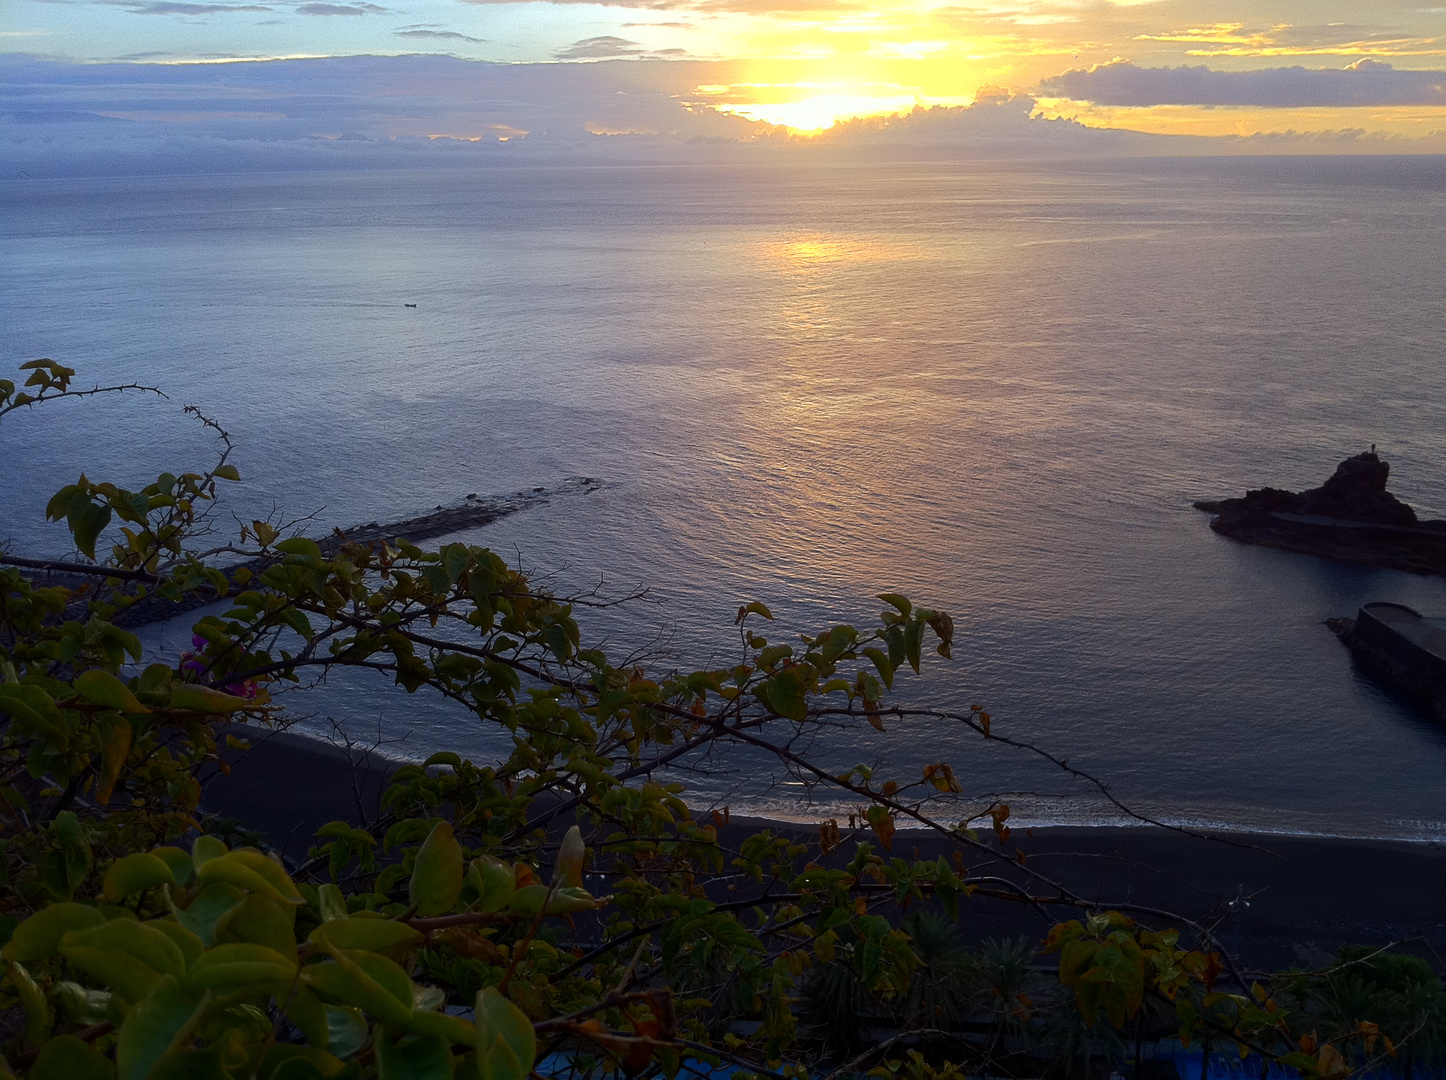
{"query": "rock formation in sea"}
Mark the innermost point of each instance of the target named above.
(1351, 517)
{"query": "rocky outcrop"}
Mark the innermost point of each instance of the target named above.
(1351, 517)
(1357, 491)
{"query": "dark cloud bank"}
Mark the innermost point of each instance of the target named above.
(1366, 82)
(62, 119)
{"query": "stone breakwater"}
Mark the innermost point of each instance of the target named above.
(1398, 646)
(1351, 517)
(472, 512)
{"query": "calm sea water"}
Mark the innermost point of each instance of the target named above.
(995, 389)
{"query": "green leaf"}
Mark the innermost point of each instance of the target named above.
(454, 561)
(68, 1058)
(437, 874)
(452, 1030)
(80, 1006)
(347, 1030)
(773, 654)
(136, 873)
(39, 936)
(527, 900)
(300, 545)
(129, 957)
(372, 935)
(226, 472)
(178, 861)
(506, 1043)
(370, 982)
(36, 710)
(413, 1057)
(913, 643)
(895, 600)
(786, 693)
(240, 964)
(55, 508)
(66, 828)
(163, 1020)
(1076, 958)
(204, 699)
(305, 1010)
(115, 735)
(86, 520)
(558, 641)
(102, 688)
(206, 909)
(297, 620)
(881, 661)
(252, 871)
(67, 864)
(330, 902)
(38, 1017)
(190, 944)
(260, 920)
(494, 881)
(570, 855)
(752, 608)
(836, 642)
(204, 849)
(288, 1062)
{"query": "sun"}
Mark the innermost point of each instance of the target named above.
(811, 115)
(809, 95)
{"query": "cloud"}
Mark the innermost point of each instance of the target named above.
(339, 9)
(606, 47)
(1287, 39)
(438, 35)
(777, 7)
(170, 7)
(750, 7)
(426, 109)
(1366, 82)
(59, 116)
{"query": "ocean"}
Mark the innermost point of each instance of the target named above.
(994, 388)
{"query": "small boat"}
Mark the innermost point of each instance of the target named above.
(409, 305)
(1401, 646)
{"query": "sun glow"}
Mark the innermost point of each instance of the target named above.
(820, 113)
(812, 95)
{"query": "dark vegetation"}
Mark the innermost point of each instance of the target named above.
(142, 940)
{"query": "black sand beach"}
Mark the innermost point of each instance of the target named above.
(1307, 896)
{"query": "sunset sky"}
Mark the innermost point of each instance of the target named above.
(1372, 66)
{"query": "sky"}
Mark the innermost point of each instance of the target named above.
(1332, 75)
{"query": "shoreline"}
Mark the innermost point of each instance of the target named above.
(313, 743)
(1304, 896)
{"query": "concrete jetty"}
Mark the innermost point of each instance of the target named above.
(1401, 646)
